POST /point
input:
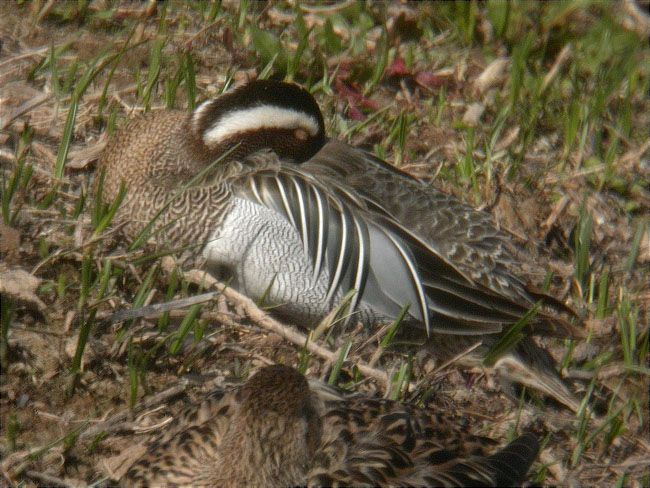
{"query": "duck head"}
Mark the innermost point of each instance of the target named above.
(274, 434)
(262, 114)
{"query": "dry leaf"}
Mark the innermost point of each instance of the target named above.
(491, 76)
(9, 243)
(473, 114)
(21, 286)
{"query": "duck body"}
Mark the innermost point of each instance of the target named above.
(299, 221)
(278, 429)
(241, 220)
(252, 234)
(462, 235)
(253, 221)
(258, 219)
(233, 233)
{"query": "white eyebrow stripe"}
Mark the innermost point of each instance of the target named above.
(197, 115)
(254, 118)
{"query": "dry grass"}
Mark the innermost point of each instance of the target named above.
(537, 113)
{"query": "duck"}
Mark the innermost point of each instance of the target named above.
(250, 184)
(279, 429)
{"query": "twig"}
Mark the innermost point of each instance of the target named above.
(560, 61)
(114, 230)
(458, 356)
(262, 319)
(41, 51)
(24, 108)
(153, 311)
(558, 208)
(48, 479)
(187, 45)
(327, 9)
(113, 423)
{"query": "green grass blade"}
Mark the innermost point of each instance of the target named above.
(184, 329)
(68, 129)
(582, 243)
(382, 62)
(155, 63)
(400, 380)
(6, 316)
(190, 81)
(636, 243)
(338, 365)
(91, 72)
(394, 327)
(510, 338)
(108, 217)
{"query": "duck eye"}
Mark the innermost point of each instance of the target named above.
(300, 134)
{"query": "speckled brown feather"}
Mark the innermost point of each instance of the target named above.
(153, 156)
(349, 439)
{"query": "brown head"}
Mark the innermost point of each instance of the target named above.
(274, 434)
(262, 114)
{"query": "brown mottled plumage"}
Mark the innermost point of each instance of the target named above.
(279, 430)
(339, 220)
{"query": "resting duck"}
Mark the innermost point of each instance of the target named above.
(250, 182)
(279, 430)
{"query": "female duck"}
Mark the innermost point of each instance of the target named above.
(279, 430)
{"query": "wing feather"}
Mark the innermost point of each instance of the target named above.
(338, 251)
(368, 250)
(322, 217)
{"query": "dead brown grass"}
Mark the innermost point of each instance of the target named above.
(540, 206)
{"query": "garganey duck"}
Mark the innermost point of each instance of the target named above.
(279, 430)
(301, 220)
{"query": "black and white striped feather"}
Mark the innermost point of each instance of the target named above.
(370, 251)
(464, 261)
(338, 232)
